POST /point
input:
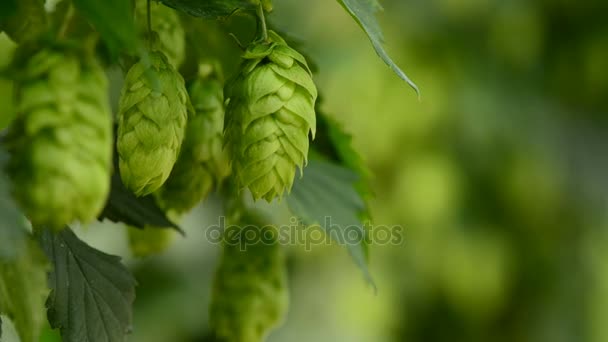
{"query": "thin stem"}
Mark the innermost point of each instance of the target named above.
(149, 18)
(262, 20)
(67, 20)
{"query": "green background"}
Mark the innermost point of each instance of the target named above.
(498, 176)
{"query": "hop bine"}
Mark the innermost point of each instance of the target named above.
(250, 295)
(151, 123)
(269, 116)
(61, 141)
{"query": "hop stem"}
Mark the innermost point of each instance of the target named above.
(262, 21)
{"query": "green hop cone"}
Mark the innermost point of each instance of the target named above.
(152, 119)
(270, 113)
(202, 164)
(149, 241)
(61, 140)
(250, 295)
(166, 23)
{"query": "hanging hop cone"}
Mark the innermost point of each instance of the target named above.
(250, 295)
(166, 23)
(268, 117)
(152, 118)
(61, 141)
(149, 241)
(202, 164)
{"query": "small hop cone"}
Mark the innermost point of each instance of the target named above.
(270, 113)
(149, 241)
(151, 124)
(166, 23)
(202, 164)
(250, 296)
(61, 141)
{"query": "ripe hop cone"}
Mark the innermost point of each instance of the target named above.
(270, 112)
(152, 116)
(250, 295)
(166, 23)
(61, 140)
(202, 164)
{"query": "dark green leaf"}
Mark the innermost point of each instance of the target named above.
(25, 19)
(211, 9)
(326, 196)
(23, 288)
(364, 13)
(13, 228)
(91, 292)
(124, 206)
(113, 20)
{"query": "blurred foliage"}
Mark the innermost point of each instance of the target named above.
(498, 176)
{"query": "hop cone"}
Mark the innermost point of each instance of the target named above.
(61, 140)
(202, 164)
(249, 291)
(149, 241)
(166, 23)
(268, 118)
(151, 124)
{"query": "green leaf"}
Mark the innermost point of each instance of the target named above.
(91, 292)
(326, 196)
(124, 206)
(13, 228)
(211, 9)
(334, 143)
(23, 289)
(113, 20)
(24, 19)
(364, 13)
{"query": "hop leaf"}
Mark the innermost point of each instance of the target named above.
(268, 118)
(166, 23)
(151, 123)
(250, 287)
(61, 140)
(201, 165)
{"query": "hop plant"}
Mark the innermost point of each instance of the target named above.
(201, 165)
(61, 141)
(166, 23)
(270, 112)
(151, 123)
(250, 287)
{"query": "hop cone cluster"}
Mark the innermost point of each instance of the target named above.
(151, 123)
(250, 288)
(270, 113)
(166, 23)
(61, 140)
(201, 165)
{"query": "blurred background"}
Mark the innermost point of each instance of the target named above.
(498, 175)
